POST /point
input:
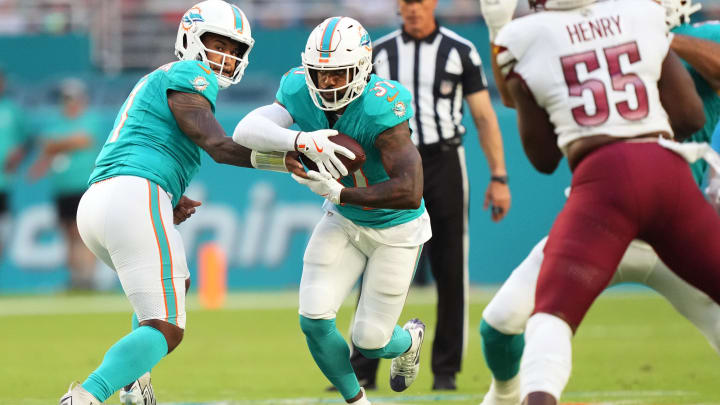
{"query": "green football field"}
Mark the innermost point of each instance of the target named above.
(632, 349)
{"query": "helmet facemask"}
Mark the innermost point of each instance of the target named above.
(225, 78)
(356, 78)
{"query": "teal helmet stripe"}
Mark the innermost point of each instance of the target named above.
(327, 37)
(238, 18)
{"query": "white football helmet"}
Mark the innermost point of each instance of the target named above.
(559, 4)
(219, 17)
(677, 12)
(338, 43)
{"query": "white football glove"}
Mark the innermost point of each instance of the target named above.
(497, 13)
(322, 184)
(713, 192)
(316, 146)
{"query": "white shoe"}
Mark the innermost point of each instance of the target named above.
(404, 368)
(140, 392)
(77, 395)
(509, 396)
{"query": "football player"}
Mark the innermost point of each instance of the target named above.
(136, 192)
(375, 222)
(611, 201)
(505, 316)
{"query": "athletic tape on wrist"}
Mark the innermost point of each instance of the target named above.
(272, 161)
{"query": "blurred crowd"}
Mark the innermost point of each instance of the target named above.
(63, 150)
(63, 16)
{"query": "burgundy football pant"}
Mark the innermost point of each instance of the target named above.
(620, 192)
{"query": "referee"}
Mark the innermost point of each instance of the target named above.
(442, 69)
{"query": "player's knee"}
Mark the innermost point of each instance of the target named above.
(368, 336)
(510, 315)
(491, 335)
(173, 334)
(315, 328)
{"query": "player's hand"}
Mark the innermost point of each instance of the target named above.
(497, 197)
(294, 165)
(40, 167)
(713, 193)
(497, 13)
(321, 150)
(184, 209)
(322, 184)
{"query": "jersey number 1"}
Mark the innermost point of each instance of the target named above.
(619, 82)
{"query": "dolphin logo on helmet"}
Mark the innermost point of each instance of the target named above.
(221, 18)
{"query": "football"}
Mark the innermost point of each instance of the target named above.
(348, 142)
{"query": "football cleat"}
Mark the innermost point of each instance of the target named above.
(77, 395)
(404, 368)
(140, 392)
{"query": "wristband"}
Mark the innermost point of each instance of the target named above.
(500, 179)
(273, 161)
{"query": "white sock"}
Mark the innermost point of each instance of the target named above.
(547, 359)
(363, 400)
(507, 387)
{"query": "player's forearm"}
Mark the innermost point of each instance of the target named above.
(491, 144)
(74, 142)
(224, 150)
(398, 193)
(703, 55)
(266, 129)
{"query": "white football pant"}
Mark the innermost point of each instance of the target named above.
(513, 304)
(127, 222)
(339, 252)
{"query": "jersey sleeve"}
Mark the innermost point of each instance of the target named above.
(473, 78)
(194, 77)
(509, 46)
(291, 83)
(653, 16)
(387, 111)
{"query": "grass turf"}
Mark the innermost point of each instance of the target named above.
(632, 348)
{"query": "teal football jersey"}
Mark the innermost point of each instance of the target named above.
(70, 170)
(382, 105)
(711, 100)
(13, 132)
(146, 141)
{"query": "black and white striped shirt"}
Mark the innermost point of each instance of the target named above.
(439, 70)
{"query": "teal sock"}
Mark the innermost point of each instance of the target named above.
(126, 361)
(331, 353)
(502, 352)
(399, 343)
(135, 322)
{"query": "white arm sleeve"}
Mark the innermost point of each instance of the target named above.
(265, 129)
